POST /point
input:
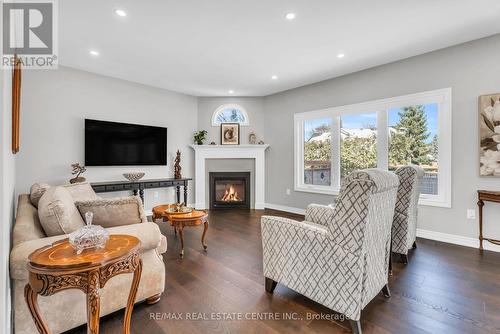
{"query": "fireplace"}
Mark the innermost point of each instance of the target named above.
(229, 190)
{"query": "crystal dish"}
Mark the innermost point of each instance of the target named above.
(89, 236)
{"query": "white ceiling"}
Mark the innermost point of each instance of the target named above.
(208, 47)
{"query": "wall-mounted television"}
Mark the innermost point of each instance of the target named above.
(121, 144)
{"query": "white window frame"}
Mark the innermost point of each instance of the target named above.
(230, 106)
(442, 97)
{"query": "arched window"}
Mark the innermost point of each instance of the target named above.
(230, 113)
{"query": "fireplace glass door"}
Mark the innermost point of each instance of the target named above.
(229, 190)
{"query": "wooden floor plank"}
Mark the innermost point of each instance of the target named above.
(443, 289)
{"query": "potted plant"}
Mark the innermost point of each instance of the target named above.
(199, 137)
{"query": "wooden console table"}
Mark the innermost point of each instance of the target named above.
(139, 186)
(488, 196)
(57, 267)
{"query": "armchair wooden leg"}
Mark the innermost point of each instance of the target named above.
(414, 245)
(404, 258)
(153, 299)
(270, 285)
(386, 291)
(356, 326)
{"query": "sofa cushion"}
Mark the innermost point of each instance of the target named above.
(58, 213)
(81, 191)
(109, 212)
(36, 192)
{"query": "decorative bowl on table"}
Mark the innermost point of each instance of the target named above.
(178, 209)
(134, 177)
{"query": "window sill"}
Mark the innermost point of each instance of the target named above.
(434, 202)
(319, 191)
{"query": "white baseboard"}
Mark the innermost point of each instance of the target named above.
(285, 208)
(456, 239)
(421, 233)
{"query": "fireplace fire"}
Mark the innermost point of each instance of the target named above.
(230, 195)
(229, 190)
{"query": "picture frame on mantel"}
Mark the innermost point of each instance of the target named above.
(230, 134)
(16, 104)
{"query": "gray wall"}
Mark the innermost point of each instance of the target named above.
(471, 69)
(254, 106)
(54, 105)
(7, 197)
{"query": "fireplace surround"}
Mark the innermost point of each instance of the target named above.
(229, 190)
(203, 153)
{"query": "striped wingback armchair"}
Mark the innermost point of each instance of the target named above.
(339, 258)
(404, 226)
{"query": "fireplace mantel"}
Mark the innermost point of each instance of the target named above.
(203, 152)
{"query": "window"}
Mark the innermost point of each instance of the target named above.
(317, 152)
(358, 142)
(413, 138)
(230, 113)
(388, 133)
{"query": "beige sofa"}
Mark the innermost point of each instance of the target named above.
(67, 309)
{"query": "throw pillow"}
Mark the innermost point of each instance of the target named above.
(110, 212)
(81, 191)
(36, 192)
(58, 213)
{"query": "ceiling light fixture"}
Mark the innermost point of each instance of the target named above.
(274, 77)
(120, 12)
(94, 53)
(340, 55)
(231, 91)
(290, 16)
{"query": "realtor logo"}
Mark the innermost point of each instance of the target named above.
(29, 32)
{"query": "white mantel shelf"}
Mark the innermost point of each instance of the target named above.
(262, 147)
(204, 152)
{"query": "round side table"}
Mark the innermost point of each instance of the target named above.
(181, 220)
(57, 267)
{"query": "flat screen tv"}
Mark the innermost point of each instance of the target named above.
(121, 144)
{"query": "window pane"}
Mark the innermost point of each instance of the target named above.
(358, 148)
(230, 115)
(317, 152)
(413, 138)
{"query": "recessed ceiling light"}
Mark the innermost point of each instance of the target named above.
(94, 52)
(340, 55)
(120, 12)
(274, 77)
(290, 16)
(231, 91)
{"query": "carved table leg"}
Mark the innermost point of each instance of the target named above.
(93, 303)
(480, 204)
(178, 194)
(31, 299)
(185, 193)
(181, 235)
(131, 297)
(141, 195)
(205, 228)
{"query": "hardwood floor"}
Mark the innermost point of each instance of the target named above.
(443, 289)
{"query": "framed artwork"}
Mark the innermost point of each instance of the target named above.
(230, 134)
(489, 135)
(16, 104)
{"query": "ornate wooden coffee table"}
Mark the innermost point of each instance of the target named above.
(181, 220)
(57, 267)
